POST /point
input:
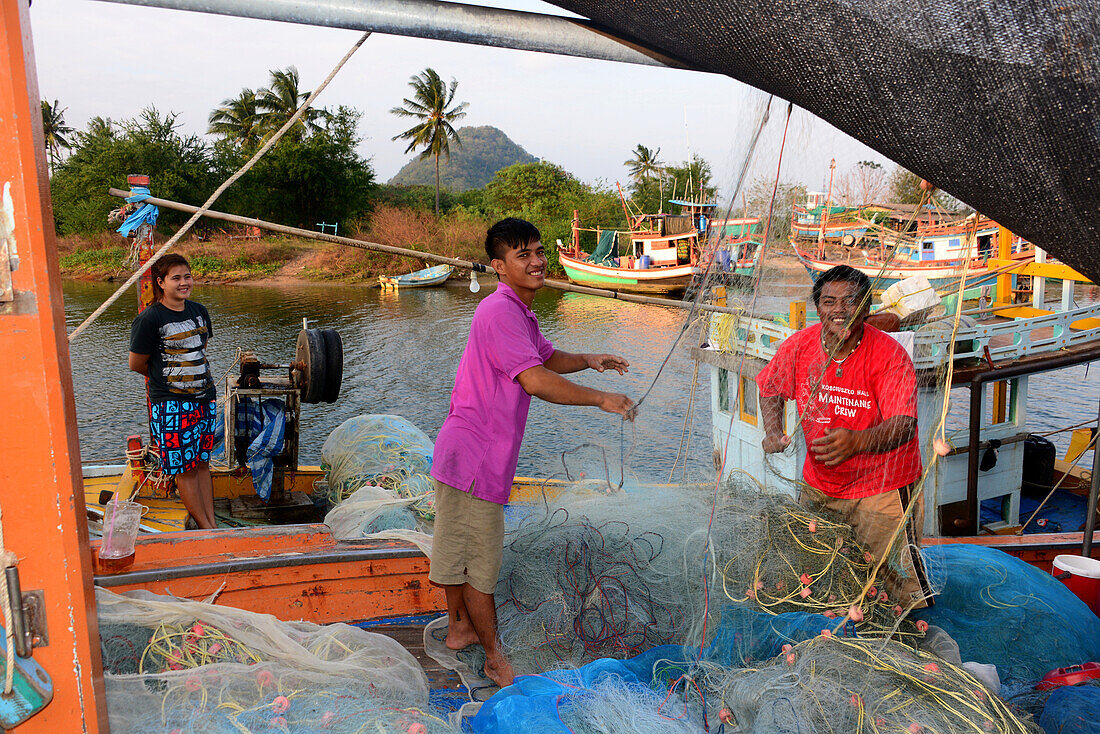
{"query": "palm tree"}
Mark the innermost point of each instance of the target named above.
(431, 106)
(54, 130)
(644, 164)
(281, 100)
(238, 119)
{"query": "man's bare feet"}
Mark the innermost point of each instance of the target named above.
(460, 636)
(500, 670)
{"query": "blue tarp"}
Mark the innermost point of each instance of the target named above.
(146, 214)
(1009, 613)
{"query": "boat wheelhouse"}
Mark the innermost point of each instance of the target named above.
(662, 253)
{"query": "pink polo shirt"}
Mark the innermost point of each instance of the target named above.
(480, 438)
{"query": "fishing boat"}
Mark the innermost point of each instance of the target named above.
(937, 252)
(41, 486)
(662, 254)
(425, 278)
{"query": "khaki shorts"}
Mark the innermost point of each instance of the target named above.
(468, 543)
(874, 521)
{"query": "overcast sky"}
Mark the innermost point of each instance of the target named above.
(112, 60)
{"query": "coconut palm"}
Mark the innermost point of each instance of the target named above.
(238, 119)
(644, 165)
(54, 130)
(431, 106)
(279, 101)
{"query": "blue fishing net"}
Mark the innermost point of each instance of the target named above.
(1072, 710)
(1006, 612)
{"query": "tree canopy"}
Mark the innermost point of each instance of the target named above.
(312, 176)
(106, 151)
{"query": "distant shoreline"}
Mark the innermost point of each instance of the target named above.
(263, 261)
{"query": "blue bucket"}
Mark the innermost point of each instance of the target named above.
(645, 262)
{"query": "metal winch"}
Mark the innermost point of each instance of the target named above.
(314, 376)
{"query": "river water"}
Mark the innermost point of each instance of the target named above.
(401, 352)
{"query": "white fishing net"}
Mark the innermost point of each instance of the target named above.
(177, 665)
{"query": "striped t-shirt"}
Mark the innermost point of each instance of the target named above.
(176, 344)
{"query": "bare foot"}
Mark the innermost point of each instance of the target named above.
(500, 671)
(460, 636)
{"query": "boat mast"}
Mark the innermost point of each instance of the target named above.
(41, 490)
(825, 211)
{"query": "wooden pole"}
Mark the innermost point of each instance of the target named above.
(426, 256)
(41, 487)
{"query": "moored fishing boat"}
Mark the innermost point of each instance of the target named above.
(661, 254)
(936, 251)
(425, 278)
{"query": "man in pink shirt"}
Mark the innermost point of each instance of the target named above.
(507, 360)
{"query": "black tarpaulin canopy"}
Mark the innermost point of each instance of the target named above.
(994, 101)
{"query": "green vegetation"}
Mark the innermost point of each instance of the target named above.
(484, 151)
(106, 151)
(904, 187)
(315, 175)
(433, 107)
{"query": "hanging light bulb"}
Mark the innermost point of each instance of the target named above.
(474, 285)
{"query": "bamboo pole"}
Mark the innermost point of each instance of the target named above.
(426, 256)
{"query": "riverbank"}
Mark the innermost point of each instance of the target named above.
(232, 256)
(267, 259)
(277, 259)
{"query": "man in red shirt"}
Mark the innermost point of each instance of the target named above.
(855, 388)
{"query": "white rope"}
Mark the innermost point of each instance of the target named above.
(7, 560)
(214, 197)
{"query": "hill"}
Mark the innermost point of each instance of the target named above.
(484, 151)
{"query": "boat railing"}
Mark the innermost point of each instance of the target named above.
(760, 336)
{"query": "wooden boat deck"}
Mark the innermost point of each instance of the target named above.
(447, 693)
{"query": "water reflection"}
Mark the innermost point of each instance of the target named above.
(400, 356)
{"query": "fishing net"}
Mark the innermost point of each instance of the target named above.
(376, 468)
(591, 574)
(377, 451)
(1007, 613)
(816, 682)
(841, 684)
(196, 667)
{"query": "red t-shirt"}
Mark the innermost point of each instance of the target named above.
(877, 382)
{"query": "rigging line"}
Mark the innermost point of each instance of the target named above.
(740, 368)
(221, 189)
(699, 295)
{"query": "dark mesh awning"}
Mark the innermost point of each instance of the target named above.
(994, 101)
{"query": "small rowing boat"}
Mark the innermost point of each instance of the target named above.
(426, 278)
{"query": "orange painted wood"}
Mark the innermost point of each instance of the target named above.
(41, 491)
(391, 583)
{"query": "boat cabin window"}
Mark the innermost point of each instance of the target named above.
(748, 400)
(723, 390)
